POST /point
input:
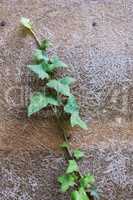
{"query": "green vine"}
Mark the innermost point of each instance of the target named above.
(57, 95)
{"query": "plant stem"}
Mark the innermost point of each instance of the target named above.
(36, 38)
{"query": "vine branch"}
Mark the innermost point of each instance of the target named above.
(43, 68)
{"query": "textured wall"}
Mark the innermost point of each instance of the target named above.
(95, 37)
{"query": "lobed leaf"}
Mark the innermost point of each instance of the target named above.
(79, 195)
(67, 80)
(38, 69)
(59, 87)
(87, 180)
(38, 55)
(72, 167)
(39, 101)
(71, 105)
(78, 154)
(55, 63)
(76, 120)
(66, 182)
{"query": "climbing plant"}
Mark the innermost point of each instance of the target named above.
(57, 95)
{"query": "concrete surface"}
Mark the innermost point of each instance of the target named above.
(95, 37)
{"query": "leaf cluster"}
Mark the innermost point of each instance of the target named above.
(44, 67)
(71, 178)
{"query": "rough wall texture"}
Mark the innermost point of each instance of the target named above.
(95, 37)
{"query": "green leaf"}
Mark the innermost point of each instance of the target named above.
(39, 101)
(75, 195)
(87, 180)
(64, 145)
(26, 22)
(79, 195)
(39, 70)
(78, 154)
(39, 55)
(71, 105)
(83, 194)
(72, 167)
(55, 63)
(59, 87)
(67, 80)
(66, 182)
(76, 120)
(45, 44)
